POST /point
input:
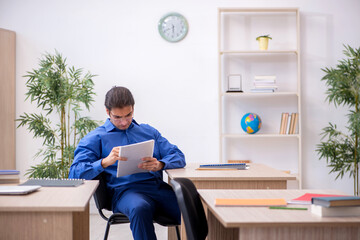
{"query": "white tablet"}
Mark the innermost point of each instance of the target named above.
(18, 190)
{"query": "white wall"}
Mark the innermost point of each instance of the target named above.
(175, 85)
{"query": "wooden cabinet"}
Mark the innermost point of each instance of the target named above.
(7, 99)
(239, 54)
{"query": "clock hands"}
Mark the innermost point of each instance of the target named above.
(172, 28)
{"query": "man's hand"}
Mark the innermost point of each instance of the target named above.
(151, 164)
(112, 158)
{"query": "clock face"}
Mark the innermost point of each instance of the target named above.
(173, 27)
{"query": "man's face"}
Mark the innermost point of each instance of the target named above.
(121, 117)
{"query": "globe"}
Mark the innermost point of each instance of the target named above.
(251, 123)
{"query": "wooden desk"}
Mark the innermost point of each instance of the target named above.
(49, 213)
(247, 223)
(258, 176)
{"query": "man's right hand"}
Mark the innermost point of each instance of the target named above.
(112, 158)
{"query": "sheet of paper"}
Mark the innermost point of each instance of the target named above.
(134, 153)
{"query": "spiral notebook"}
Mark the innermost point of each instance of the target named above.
(49, 182)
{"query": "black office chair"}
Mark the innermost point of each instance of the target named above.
(191, 208)
(103, 201)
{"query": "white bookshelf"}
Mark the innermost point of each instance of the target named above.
(238, 53)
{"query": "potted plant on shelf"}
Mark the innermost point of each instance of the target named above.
(61, 91)
(263, 41)
(342, 148)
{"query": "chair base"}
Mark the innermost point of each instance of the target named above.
(119, 218)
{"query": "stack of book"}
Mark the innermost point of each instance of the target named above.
(338, 206)
(9, 176)
(288, 123)
(264, 84)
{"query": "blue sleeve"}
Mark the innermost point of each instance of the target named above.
(170, 154)
(87, 158)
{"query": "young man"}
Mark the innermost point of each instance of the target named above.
(139, 195)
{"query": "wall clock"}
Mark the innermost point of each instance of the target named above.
(173, 27)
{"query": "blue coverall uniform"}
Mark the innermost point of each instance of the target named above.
(137, 195)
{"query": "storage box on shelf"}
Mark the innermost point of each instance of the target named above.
(239, 54)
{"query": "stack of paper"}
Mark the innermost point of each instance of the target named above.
(335, 211)
(134, 153)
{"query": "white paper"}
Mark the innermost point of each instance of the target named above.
(134, 153)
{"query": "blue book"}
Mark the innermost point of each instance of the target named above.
(239, 166)
(9, 172)
(340, 201)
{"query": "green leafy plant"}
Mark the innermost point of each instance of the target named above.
(61, 91)
(263, 36)
(341, 149)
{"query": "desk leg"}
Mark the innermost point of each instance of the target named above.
(172, 232)
(81, 224)
(218, 232)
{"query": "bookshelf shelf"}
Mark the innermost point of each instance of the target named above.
(239, 54)
(260, 52)
(249, 94)
(257, 10)
(261, 135)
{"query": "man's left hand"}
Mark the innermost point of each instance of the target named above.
(151, 164)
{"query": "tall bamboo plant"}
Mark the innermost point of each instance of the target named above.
(342, 149)
(62, 91)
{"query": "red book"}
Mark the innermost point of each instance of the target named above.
(306, 198)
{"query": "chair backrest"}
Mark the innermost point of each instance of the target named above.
(191, 208)
(101, 196)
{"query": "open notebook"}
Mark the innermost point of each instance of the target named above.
(18, 190)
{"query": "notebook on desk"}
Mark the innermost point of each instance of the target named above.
(223, 166)
(18, 190)
(48, 182)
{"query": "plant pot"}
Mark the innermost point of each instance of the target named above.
(263, 43)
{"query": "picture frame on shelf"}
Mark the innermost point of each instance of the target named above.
(234, 83)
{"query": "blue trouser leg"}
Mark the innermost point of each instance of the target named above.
(166, 202)
(140, 201)
(139, 208)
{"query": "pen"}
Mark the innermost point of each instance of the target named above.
(288, 208)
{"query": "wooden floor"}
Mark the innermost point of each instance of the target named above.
(120, 231)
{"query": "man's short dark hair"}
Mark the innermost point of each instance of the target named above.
(118, 97)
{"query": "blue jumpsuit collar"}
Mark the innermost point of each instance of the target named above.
(109, 126)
